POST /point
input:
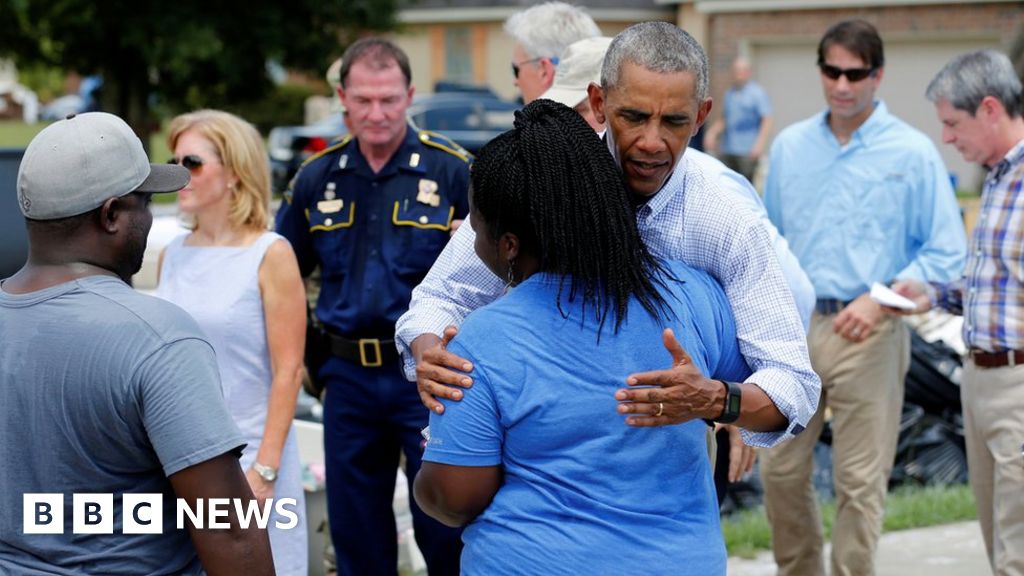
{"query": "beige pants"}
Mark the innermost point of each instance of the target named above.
(862, 384)
(993, 400)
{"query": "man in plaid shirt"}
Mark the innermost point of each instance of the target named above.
(980, 104)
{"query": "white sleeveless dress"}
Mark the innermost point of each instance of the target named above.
(219, 287)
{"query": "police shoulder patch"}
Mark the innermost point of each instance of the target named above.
(442, 142)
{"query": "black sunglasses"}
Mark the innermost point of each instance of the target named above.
(515, 65)
(852, 74)
(192, 162)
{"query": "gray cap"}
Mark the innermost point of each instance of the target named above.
(76, 164)
(579, 66)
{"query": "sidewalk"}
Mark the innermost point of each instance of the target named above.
(947, 550)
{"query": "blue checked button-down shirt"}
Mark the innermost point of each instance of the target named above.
(990, 294)
(878, 208)
(694, 220)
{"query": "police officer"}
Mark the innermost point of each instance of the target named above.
(374, 211)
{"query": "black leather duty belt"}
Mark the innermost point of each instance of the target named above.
(367, 352)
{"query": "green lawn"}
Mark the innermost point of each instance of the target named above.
(747, 532)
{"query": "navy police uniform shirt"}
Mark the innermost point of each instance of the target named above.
(374, 236)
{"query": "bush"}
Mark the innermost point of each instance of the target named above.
(284, 105)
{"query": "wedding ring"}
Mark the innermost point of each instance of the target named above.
(661, 408)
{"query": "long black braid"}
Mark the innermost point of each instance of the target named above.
(553, 183)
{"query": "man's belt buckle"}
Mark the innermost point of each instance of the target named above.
(372, 344)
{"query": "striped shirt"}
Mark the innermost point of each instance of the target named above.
(990, 295)
(691, 219)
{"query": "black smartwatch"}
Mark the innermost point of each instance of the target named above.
(733, 398)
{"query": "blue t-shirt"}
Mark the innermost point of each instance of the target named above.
(584, 493)
(102, 390)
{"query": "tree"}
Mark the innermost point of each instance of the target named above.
(189, 53)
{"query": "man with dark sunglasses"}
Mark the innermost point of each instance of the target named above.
(541, 34)
(862, 197)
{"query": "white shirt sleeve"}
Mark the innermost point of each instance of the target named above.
(458, 283)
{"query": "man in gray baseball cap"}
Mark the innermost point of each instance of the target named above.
(108, 393)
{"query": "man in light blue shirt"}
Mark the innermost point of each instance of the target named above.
(741, 133)
(862, 197)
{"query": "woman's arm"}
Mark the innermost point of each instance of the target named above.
(456, 495)
(284, 307)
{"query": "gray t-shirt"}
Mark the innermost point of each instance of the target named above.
(102, 390)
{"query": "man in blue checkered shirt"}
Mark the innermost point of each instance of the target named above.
(979, 101)
(653, 98)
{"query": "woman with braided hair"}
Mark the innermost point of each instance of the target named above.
(533, 457)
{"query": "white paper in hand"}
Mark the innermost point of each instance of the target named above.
(887, 297)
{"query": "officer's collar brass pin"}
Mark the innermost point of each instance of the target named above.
(428, 193)
(414, 160)
(329, 192)
(343, 161)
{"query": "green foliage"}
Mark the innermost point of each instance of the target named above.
(283, 105)
(747, 532)
(189, 53)
(46, 81)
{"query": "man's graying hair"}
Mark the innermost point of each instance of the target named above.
(659, 47)
(967, 79)
(546, 30)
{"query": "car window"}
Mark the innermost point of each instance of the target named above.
(499, 119)
(441, 119)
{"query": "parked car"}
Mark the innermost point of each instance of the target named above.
(13, 237)
(470, 119)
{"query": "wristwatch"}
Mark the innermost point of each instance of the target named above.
(733, 398)
(266, 472)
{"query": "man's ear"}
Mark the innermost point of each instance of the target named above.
(548, 70)
(111, 213)
(989, 108)
(703, 110)
(596, 96)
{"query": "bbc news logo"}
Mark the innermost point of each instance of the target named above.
(144, 513)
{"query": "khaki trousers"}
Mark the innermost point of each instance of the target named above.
(993, 401)
(862, 384)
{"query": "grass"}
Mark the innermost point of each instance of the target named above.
(747, 532)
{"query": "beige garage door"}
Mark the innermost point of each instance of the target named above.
(788, 73)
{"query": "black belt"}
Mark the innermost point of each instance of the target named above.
(367, 352)
(983, 359)
(830, 305)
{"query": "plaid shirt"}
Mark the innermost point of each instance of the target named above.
(990, 295)
(692, 219)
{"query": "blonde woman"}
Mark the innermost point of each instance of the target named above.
(242, 284)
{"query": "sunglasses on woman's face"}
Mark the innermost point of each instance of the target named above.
(852, 74)
(192, 162)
